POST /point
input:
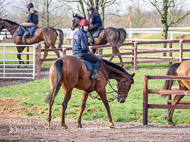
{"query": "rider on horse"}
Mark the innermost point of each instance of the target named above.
(96, 22)
(80, 47)
(32, 20)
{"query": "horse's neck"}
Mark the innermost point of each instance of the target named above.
(115, 73)
(11, 28)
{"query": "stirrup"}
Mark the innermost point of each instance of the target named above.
(95, 77)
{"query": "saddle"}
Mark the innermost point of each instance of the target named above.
(96, 32)
(30, 30)
(89, 65)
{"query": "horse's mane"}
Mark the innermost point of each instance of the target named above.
(11, 22)
(115, 66)
(78, 16)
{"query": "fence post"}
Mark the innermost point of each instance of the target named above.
(90, 49)
(180, 50)
(27, 55)
(145, 100)
(135, 56)
(170, 53)
(64, 52)
(38, 62)
(169, 97)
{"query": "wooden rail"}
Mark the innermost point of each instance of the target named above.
(146, 91)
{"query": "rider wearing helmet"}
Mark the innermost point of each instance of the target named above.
(32, 20)
(80, 47)
(96, 22)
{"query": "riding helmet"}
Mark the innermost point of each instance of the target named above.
(30, 5)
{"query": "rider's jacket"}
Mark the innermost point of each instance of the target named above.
(33, 17)
(80, 43)
(95, 19)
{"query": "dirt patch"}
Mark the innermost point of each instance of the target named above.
(32, 129)
(10, 107)
(145, 35)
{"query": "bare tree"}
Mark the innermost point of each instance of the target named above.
(164, 7)
(3, 8)
(99, 6)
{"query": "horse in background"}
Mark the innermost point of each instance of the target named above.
(70, 72)
(45, 33)
(183, 69)
(108, 35)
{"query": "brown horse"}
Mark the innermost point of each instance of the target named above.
(70, 72)
(109, 35)
(183, 69)
(46, 34)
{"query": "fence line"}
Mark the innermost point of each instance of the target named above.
(146, 91)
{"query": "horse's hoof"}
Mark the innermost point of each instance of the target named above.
(64, 126)
(111, 125)
(172, 124)
(47, 124)
(79, 126)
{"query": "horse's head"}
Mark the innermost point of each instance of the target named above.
(76, 21)
(1, 24)
(124, 87)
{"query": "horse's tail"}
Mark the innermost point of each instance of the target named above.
(61, 37)
(168, 83)
(57, 81)
(122, 35)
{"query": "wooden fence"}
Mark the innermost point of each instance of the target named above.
(146, 92)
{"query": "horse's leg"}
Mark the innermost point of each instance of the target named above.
(20, 49)
(115, 50)
(175, 100)
(82, 108)
(64, 107)
(47, 124)
(105, 101)
(57, 53)
(45, 52)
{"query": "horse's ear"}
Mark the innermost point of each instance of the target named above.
(132, 75)
(73, 15)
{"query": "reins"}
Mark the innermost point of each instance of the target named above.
(109, 83)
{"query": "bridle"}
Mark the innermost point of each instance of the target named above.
(119, 91)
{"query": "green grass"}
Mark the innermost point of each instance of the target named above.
(130, 111)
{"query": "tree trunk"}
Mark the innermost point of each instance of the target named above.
(164, 22)
(47, 12)
(102, 11)
(82, 7)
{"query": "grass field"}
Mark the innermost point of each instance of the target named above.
(131, 111)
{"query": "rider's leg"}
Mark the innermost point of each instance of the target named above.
(92, 28)
(23, 27)
(97, 63)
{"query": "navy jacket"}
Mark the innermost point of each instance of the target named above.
(95, 19)
(33, 17)
(80, 43)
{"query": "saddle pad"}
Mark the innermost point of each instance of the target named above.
(88, 65)
(30, 30)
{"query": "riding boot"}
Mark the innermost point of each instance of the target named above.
(94, 74)
(26, 33)
(91, 38)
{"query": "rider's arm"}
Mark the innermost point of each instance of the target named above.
(93, 18)
(84, 44)
(29, 17)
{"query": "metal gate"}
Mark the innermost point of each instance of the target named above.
(8, 66)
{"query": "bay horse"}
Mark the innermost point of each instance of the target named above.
(183, 69)
(70, 72)
(108, 35)
(45, 33)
